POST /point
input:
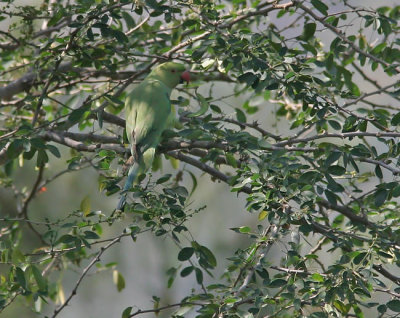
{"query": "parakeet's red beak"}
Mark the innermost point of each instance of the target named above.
(185, 76)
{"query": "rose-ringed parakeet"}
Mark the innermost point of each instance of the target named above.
(147, 115)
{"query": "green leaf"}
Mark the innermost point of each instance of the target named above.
(385, 26)
(240, 116)
(120, 36)
(118, 280)
(77, 114)
(42, 158)
(194, 180)
(153, 4)
(333, 185)
(336, 170)
(309, 30)
(90, 34)
(130, 22)
(199, 275)
(380, 197)
(359, 258)
(334, 124)
(187, 271)
(262, 215)
(394, 305)
(396, 119)
(56, 17)
(127, 312)
(378, 171)
(277, 283)
(290, 74)
(211, 260)
(309, 177)
(85, 205)
(15, 148)
(185, 253)
(320, 6)
(20, 277)
(382, 309)
(396, 191)
(333, 157)
(38, 143)
(249, 78)
(67, 238)
(230, 159)
(318, 277)
(90, 235)
(244, 229)
(164, 178)
(54, 150)
(198, 53)
(377, 49)
(332, 198)
(40, 280)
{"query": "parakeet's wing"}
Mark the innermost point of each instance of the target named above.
(147, 110)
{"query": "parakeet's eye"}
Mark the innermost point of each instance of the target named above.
(173, 71)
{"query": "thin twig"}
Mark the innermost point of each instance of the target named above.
(157, 310)
(84, 273)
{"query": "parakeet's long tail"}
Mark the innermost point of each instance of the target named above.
(133, 173)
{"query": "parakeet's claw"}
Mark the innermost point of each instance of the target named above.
(128, 163)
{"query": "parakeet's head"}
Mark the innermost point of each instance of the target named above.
(170, 73)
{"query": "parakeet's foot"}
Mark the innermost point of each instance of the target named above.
(128, 163)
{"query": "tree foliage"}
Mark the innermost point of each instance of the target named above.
(323, 182)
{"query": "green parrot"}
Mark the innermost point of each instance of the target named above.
(148, 113)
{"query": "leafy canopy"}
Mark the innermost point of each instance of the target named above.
(321, 184)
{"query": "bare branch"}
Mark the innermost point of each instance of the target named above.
(157, 310)
(61, 138)
(35, 187)
(24, 209)
(294, 271)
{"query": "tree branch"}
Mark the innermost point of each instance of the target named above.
(206, 168)
(92, 137)
(85, 271)
(395, 171)
(338, 135)
(379, 268)
(24, 208)
(347, 212)
(61, 138)
(25, 82)
(275, 6)
(363, 96)
(157, 310)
